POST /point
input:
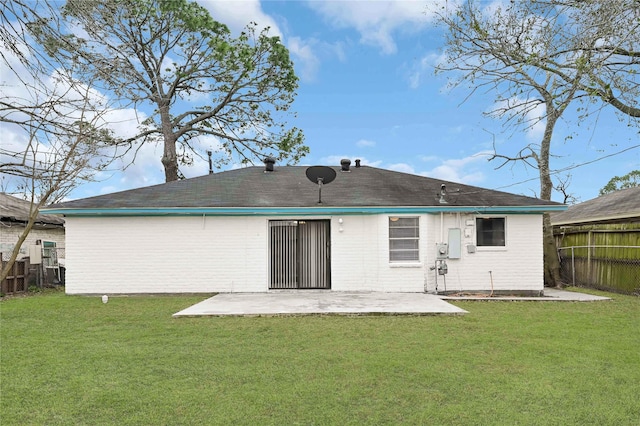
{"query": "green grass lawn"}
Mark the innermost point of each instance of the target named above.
(72, 360)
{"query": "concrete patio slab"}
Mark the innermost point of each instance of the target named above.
(310, 302)
(550, 294)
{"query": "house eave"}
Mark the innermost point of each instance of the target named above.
(626, 217)
(301, 211)
(9, 222)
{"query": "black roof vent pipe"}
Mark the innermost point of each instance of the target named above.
(345, 163)
(358, 163)
(268, 164)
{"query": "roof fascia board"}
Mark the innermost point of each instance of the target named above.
(18, 222)
(274, 211)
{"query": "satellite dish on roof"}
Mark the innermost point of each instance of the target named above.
(321, 175)
(317, 174)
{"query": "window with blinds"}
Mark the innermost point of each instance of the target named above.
(404, 239)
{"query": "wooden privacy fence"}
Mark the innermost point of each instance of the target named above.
(18, 279)
(614, 268)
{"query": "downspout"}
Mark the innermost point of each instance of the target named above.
(434, 268)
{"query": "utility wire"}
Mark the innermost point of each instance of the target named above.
(575, 166)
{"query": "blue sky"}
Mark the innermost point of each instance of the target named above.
(368, 90)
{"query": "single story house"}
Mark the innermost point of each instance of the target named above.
(599, 241)
(618, 207)
(609, 220)
(14, 215)
(345, 228)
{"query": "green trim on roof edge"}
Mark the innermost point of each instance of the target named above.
(275, 211)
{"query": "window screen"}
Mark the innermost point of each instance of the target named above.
(404, 237)
(490, 231)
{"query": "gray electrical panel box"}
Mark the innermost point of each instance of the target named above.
(35, 254)
(442, 251)
(455, 243)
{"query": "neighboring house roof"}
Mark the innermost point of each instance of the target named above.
(15, 210)
(287, 189)
(617, 206)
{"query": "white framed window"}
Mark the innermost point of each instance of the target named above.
(404, 239)
(491, 231)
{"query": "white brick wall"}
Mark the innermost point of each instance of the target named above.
(230, 254)
(360, 257)
(518, 266)
(166, 254)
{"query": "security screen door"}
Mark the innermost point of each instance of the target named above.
(299, 254)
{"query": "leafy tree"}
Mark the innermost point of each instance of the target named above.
(59, 121)
(199, 79)
(602, 40)
(630, 180)
(538, 58)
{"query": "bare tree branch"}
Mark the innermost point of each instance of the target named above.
(537, 58)
(59, 123)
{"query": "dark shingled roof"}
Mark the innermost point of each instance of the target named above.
(622, 205)
(14, 209)
(288, 186)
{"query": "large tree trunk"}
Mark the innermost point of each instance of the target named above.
(169, 156)
(551, 262)
(169, 160)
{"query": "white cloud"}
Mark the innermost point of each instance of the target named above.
(402, 167)
(307, 54)
(424, 68)
(376, 21)
(74, 102)
(109, 189)
(334, 160)
(237, 14)
(364, 143)
(536, 131)
(465, 170)
(302, 53)
(140, 167)
(461, 170)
